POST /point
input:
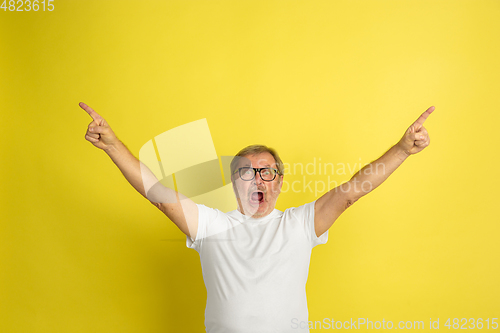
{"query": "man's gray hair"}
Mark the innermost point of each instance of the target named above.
(255, 150)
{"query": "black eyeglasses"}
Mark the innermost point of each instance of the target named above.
(266, 174)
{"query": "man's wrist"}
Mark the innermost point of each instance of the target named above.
(400, 152)
(114, 149)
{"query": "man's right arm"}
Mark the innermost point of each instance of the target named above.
(178, 208)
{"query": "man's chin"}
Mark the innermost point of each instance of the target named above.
(256, 209)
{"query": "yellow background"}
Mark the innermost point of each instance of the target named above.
(80, 251)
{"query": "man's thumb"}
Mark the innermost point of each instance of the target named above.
(97, 129)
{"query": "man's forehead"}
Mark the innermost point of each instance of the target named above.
(257, 160)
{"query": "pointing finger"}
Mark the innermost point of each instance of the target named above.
(423, 116)
(90, 111)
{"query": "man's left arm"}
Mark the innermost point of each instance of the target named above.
(333, 203)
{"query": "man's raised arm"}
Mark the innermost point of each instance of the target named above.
(329, 207)
(181, 210)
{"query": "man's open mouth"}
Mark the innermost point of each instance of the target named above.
(257, 197)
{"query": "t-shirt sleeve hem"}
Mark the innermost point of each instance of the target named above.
(323, 238)
(194, 243)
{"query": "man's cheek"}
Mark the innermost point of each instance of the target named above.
(241, 191)
(237, 190)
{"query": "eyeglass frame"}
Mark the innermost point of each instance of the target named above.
(255, 170)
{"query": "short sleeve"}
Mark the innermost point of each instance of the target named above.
(305, 214)
(205, 214)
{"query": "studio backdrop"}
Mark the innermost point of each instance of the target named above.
(331, 85)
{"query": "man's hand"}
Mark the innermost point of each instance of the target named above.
(416, 137)
(98, 132)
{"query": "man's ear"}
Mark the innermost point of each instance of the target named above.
(281, 181)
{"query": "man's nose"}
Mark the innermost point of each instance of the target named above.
(257, 178)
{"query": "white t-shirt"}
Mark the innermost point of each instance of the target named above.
(255, 270)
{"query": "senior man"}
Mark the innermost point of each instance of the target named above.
(255, 260)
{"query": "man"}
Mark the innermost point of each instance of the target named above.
(255, 260)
